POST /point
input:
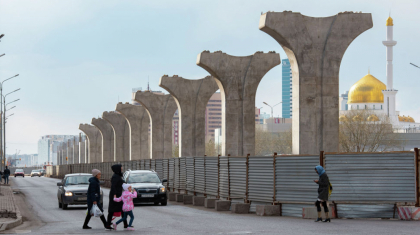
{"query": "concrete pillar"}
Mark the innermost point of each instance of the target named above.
(191, 97)
(122, 135)
(315, 47)
(76, 158)
(94, 142)
(238, 79)
(69, 152)
(139, 121)
(108, 142)
(59, 154)
(82, 150)
(161, 109)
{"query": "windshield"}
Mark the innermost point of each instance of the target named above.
(143, 178)
(19, 170)
(77, 179)
(35, 170)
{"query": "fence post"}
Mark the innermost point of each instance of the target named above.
(228, 159)
(218, 176)
(274, 177)
(321, 158)
(417, 162)
(247, 178)
(205, 181)
(195, 193)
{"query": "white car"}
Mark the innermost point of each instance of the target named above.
(36, 173)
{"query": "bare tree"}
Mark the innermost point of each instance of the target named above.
(266, 143)
(175, 151)
(366, 131)
(211, 148)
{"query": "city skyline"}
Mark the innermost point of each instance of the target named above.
(84, 46)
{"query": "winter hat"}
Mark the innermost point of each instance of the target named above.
(95, 172)
(126, 186)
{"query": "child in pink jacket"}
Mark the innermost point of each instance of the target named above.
(127, 197)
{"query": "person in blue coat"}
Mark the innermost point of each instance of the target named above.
(323, 193)
(94, 197)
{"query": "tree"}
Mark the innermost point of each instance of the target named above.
(366, 131)
(175, 151)
(212, 149)
(266, 143)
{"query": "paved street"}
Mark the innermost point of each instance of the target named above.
(46, 218)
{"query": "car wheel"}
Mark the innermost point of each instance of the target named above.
(164, 203)
(156, 203)
(15, 176)
(39, 176)
(31, 176)
(23, 176)
(60, 205)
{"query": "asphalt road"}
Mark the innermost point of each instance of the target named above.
(39, 206)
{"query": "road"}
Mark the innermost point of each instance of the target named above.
(39, 206)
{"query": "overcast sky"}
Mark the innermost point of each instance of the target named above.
(78, 58)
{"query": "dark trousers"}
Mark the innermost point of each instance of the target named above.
(87, 219)
(6, 179)
(318, 206)
(109, 219)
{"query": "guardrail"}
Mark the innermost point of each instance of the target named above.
(364, 184)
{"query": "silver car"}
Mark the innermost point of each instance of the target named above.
(36, 173)
(72, 190)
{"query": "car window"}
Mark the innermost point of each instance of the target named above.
(77, 179)
(143, 178)
(19, 170)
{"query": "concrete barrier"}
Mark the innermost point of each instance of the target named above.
(210, 202)
(240, 208)
(311, 213)
(222, 205)
(268, 210)
(172, 196)
(198, 201)
(179, 197)
(188, 199)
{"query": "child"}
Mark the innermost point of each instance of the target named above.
(127, 197)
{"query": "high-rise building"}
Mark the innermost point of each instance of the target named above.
(286, 78)
(213, 115)
(342, 102)
(47, 147)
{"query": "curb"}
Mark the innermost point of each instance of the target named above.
(11, 224)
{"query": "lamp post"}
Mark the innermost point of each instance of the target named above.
(272, 116)
(2, 54)
(415, 65)
(4, 119)
(2, 156)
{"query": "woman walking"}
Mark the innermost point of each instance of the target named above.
(94, 197)
(127, 197)
(323, 193)
(116, 189)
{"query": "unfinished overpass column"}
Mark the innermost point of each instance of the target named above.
(107, 133)
(122, 134)
(161, 109)
(76, 158)
(315, 47)
(191, 97)
(138, 118)
(94, 143)
(238, 79)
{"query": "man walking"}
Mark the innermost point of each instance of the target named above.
(6, 175)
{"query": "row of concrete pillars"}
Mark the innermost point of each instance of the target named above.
(314, 46)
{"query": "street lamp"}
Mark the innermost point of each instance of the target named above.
(415, 65)
(4, 115)
(272, 108)
(1, 35)
(2, 54)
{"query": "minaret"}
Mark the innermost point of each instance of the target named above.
(390, 92)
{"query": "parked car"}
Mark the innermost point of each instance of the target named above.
(19, 172)
(42, 172)
(72, 190)
(36, 173)
(148, 185)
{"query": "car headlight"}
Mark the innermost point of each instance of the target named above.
(163, 190)
(68, 194)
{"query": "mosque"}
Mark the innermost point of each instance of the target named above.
(369, 93)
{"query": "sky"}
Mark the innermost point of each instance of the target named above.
(78, 58)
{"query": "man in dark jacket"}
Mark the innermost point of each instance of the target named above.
(116, 189)
(94, 197)
(6, 175)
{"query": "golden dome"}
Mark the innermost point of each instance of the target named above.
(389, 21)
(357, 118)
(342, 118)
(367, 90)
(373, 118)
(410, 119)
(401, 119)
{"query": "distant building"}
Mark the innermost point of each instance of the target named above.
(22, 160)
(343, 101)
(213, 115)
(47, 148)
(286, 78)
(276, 125)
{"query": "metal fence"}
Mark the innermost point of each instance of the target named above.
(364, 185)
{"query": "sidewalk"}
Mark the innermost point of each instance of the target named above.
(9, 213)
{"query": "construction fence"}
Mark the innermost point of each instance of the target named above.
(364, 184)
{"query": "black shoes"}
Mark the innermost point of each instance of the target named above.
(327, 220)
(86, 227)
(319, 219)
